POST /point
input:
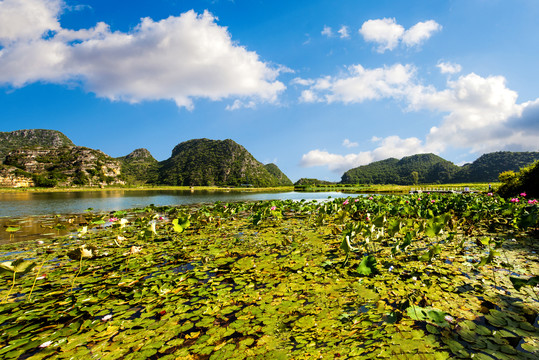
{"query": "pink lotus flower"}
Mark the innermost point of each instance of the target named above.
(532, 201)
(523, 194)
(433, 201)
(273, 208)
(490, 194)
(418, 199)
(356, 200)
(370, 198)
(345, 202)
(514, 200)
(113, 219)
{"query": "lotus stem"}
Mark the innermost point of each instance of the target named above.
(80, 269)
(35, 280)
(12, 286)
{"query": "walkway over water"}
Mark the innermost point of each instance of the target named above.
(463, 190)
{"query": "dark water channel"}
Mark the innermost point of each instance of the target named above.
(37, 213)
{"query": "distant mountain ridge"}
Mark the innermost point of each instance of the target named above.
(430, 168)
(47, 158)
(201, 162)
(31, 138)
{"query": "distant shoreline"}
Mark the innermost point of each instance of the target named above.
(146, 188)
(304, 188)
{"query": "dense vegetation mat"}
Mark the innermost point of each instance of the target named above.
(396, 277)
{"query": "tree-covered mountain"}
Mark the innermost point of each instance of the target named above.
(431, 169)
(31, 138)
(489, 166)
(415, 169)
(278, 174)
(140, 167)
(203, 162)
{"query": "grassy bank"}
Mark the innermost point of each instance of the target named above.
(139, 188)
(426, 276)
(395, 189)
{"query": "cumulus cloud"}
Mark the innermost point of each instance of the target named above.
(343, 32)
(327, 31)
(349, 144)
(387, 33)
(420, 32)
(449, 68)
(391, 146)
(27, 19)
(478, 113)
(359, 84)
(179, 58)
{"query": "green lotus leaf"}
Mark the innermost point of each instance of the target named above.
(367, 266)
(18, 266)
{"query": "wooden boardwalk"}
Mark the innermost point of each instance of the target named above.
(463, 190)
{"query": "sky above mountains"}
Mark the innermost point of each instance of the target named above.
(317, 87)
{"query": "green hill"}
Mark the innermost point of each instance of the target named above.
(432, 169)
(488, 166)
(140, 167)
(420, 168)
(31, 138)
(278, 174)
(204, 162)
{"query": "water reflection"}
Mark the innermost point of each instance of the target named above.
(37, 213)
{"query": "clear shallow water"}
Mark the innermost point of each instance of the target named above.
(32, 203)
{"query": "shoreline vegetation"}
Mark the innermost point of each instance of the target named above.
(365, 188)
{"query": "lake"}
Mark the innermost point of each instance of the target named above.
(35, 212)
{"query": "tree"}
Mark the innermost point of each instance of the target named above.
(415, 177)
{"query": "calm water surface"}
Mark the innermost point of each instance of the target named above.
(37, 213)
(34, 203)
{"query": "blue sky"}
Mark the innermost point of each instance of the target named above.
(317, 87)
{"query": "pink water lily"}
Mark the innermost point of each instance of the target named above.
(273, 208)
(433, 201)
(490, 194)
(345, 202)
(370, 198)
(533, 201)
(113, 219)
(514, 200)
(523, 194)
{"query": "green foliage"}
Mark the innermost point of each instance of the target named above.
(432, 169)
(30, 139)
(203, 162)
(525, 181)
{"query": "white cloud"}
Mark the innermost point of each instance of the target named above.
(308, 96)
(420, 32)
(343, 32)
(238, 104)
(391, 146)
(449, 68)
(361, 84)
(327, 31)
(387, 33)
(179, 58)
(349, 144)
(27, 19)
(480, 114)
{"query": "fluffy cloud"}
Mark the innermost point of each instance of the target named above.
(327, 31)
(178, 58)
(387, 33)
(480, 114)
(391, 146)
(343, 32)
(420, 32)
(449, 68)
(359, 84)
(349, 144)
(27, 19)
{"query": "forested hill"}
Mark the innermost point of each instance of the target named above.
(201, 162)
(421, 168)
(488, 166)
(430, 168)
(31, 138)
